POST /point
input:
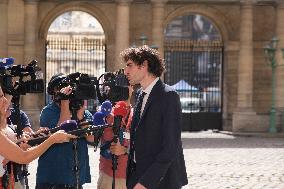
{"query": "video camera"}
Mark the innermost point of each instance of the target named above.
(114, 87)
(30, 79)
(83, 88)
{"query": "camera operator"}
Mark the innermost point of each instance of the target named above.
(120, 149)
(56, 167)
(10, 151)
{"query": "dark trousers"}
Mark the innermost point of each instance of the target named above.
(55, 186)
(133, 179)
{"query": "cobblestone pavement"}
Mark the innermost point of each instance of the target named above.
(219, 161)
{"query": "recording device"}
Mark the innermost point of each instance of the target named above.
(106, 107)
(82, 85)
(99, 119)
(120, 111)
(79, 132)
(67, 126)
(18, 80)
(21, 79)
(6, 61)
(114, 87)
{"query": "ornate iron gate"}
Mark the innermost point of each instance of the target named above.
(70, 53)
(194, 69)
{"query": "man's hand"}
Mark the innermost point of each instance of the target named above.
(117, 149)
(139, 186)
(109, 119)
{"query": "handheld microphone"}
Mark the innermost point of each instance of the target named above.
(98, 118)
(79, 132)
(120, 109)
(68, 125)
(106, 107)
(6, 61)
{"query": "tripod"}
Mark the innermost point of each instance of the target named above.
(76, 168)
(19, 168)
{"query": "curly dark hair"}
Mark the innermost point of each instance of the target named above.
(139, 54)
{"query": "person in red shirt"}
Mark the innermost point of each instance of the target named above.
(108, 148)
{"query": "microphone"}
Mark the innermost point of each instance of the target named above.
(106, 107)
(120, 109)
(79, 132)
(68, 125)
(98, 118)
(6, 61)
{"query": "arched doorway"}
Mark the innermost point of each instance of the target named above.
(193, 56)
(75, 43)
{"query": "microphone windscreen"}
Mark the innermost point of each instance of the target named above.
(120, 109)
(6, 61)
(98, 118)
(68, 125)
(106, 107)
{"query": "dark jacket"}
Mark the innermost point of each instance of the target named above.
(157, 142)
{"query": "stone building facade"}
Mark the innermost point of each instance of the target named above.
(245, 26)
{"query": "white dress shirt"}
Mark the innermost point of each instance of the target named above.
(147, 91)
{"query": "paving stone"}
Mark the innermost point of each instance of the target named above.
(220, 161)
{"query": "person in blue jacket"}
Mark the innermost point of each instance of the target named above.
(62, 166)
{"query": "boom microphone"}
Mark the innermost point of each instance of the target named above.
(6, 61)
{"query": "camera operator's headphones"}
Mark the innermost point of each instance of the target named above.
(54, 82)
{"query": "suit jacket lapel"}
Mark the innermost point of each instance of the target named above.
(152, 96)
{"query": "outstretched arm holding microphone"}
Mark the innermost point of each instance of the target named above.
(11, 151)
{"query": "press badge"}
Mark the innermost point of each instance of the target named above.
(126, 135)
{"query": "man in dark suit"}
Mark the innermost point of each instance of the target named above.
(156, 159)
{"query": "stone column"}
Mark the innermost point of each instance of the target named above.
(3, 28)
(31, 14)
(245, 67)
(279, 72)
(243, 116)
(30, 101)
(122, 31)
(158, 9)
